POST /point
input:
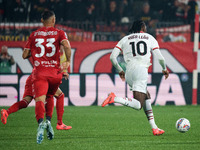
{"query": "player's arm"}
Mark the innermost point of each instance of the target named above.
(27, 49)
(161, 60)
(113, 57)
(67, 51)
(26, 53)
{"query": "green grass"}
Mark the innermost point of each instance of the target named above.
(109, 128)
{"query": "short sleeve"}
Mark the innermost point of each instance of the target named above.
(63, 36)
(28, 43)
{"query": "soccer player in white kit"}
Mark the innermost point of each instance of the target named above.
(136, 49)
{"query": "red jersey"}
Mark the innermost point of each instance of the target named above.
(44, 44)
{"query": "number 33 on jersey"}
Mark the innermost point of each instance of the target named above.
(44, 44)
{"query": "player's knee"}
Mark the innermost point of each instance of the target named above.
(58, 92)
(40, 98)
(61, 95)
(27, 99)
(138, 105)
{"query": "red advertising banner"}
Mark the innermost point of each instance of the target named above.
(174, 34)
(93, 57)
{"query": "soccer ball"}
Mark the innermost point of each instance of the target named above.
(182, 125)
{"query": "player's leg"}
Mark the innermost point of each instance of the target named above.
(59, 105)
(40, 108)
(137, 79)
(14, 108)
(27, 98)
(59, 95)
(39, 113)
(40, 88)
(19, 105)
(136, 102)
(49, 106)
(52, 88)
(150, 116)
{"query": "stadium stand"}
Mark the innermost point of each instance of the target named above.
(105, 20)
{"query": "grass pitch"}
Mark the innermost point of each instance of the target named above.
(109, 128)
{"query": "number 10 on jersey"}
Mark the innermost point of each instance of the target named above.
(136, 48)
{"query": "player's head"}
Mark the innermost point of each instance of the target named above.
(48, 17)
(4, 49)
(138, 26)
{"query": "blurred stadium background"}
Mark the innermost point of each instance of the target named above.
(93, 28)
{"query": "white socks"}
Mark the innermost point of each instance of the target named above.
(130, 102)
(133, 103)
(149, 113)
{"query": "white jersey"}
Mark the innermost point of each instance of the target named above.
(137, 48)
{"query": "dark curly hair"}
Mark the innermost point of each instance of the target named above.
(137, 26)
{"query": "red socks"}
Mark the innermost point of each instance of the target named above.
(60, 108)
(39, 110)
(17, 106)
(49, 106)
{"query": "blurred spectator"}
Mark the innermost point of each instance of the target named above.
(59, 9)
(126, 11)
(2, 9)
(192, 9)
(157, 8)
(168, 10)
(51, 5)
(92, 14)
(180, 10)
(37, 7)
(98, 10)
(19, 11)
(7, 10)
(80, 10)
(112, 15)
(6, 61)
(149, 18)
(68, 10)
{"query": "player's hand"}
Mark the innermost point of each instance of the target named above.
(65, 75)
(165, 73)
(64, 66)
(122, 75)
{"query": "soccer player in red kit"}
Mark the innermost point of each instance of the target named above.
(27, 98)
(44, 47)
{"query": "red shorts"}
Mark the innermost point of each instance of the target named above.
(45, 85)
(28, 87)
